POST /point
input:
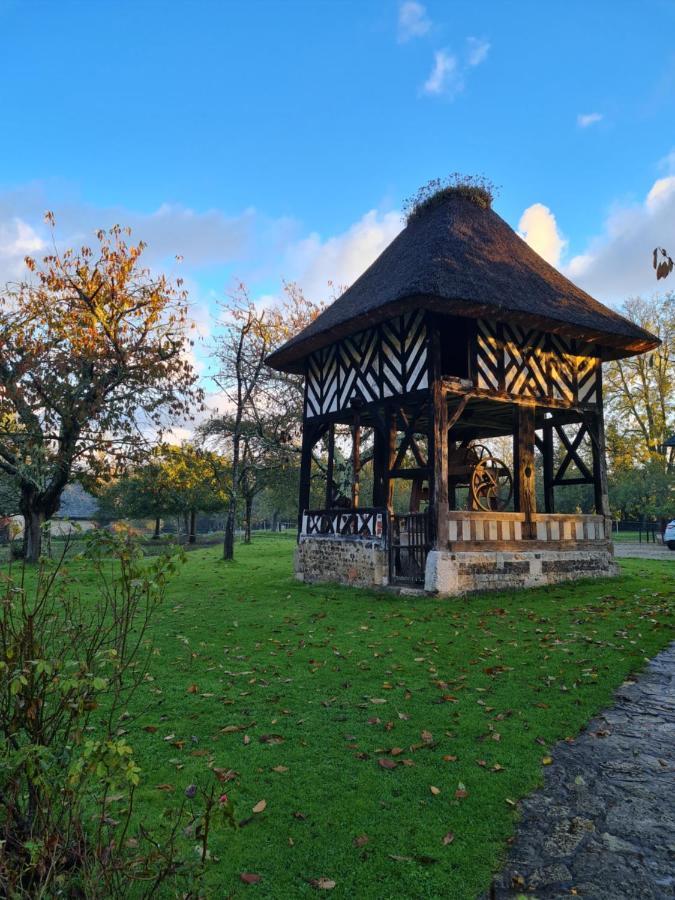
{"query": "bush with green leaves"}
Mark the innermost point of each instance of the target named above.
(68, 671)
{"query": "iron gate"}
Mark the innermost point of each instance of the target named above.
(408, 548)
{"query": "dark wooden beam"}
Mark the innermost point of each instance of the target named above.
(547, 457)
(356, 459)
(330, 488)
(439, 498)
(596, 429)
(379, 464)
(523, 463)
(308, 440)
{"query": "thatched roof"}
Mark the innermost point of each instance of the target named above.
(459, 259)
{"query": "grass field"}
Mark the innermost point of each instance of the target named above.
(464, 697)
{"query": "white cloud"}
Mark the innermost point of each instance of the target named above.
(538, 227)
(478, 50)
(448, 74)
(339, 260)
(445, 77)
(412, 21)
(17, 240)
(618, 263)
(586, 119)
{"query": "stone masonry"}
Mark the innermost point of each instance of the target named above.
(353, 561)
(466, 572)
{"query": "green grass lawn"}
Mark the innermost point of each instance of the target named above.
(464, 695)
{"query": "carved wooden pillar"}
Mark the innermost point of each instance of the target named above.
(523, 463)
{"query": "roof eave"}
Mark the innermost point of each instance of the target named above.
(290, 357)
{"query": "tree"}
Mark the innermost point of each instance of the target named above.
(175, 480)
(643, 491)
(92, 362)
(264, 414)
(640, 391)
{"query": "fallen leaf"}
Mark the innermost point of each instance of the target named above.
(224, 774)
(448, 838)
(361, 840)
(165, 787)
(260, 806)
(546, 760)
(249, 878)
(151, 729)
(434, 790)
(322, 884)
(280, 769)
(192, 689)
(427, 736)
(449, 758)
(271, 739)
(387, 763)
(461, 792)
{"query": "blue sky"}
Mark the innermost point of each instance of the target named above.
(278, 139)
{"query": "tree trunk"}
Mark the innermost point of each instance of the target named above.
(230, 522)
(33, 520)
(193, 527)
(155, 536)
(247, 520)
(275, 520)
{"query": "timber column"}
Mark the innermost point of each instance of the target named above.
(438, 452)
(523, 462)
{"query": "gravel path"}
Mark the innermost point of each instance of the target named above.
(642, 551)
(603, 825)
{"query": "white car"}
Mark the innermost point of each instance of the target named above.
(669, 535)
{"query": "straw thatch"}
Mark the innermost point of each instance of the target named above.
(459, 259)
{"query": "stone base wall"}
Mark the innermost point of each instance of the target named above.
(356, 562)
(467, 572)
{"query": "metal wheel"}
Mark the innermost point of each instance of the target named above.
(491, 485)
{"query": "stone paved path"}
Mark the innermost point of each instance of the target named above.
(603, 825)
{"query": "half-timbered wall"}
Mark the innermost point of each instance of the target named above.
(529, 363)
(388, 360)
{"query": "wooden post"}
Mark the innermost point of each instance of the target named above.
(439, 497)
(308, 433)
(356, 459)
(549, 491)
(596, 429)
(452, 489)
(523, 462)
(392, 431)
(330, 466)
(379, 465)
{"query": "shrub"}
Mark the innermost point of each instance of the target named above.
(68, 670)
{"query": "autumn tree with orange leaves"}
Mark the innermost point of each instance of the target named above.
(92, 367)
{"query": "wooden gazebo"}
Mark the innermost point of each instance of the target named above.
(459, 333)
